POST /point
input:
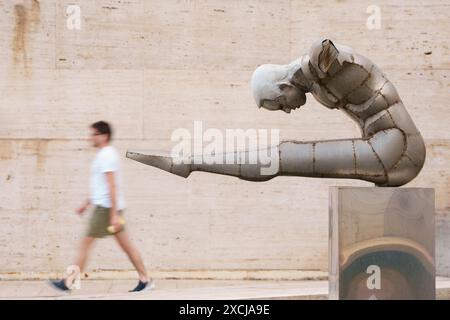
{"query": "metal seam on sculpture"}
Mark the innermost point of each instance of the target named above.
(345, 97)
(417, 133)
(361, 84)
(378, 93)
(405, 148)
(329, 92)
(296, 142)
(313, 71)
(280, 163)
(345, 175)
(398, 163)
(319, 58)
(354, 156)
(421, 162)
(355, 117)
(322, 84)
(342, 175)
(369, 75)
(405, 140)
(171, 165)
(379, 119)
(314, 157)
(392, 118)
(300, 78)
(365, 107)
(409, 158)
(389, 104)
(361, 67)
(379, 160)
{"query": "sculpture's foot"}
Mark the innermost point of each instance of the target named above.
(161, 160)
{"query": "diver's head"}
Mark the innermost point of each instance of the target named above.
(272, 89)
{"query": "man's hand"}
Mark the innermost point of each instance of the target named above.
(83, 208)
(114, 220)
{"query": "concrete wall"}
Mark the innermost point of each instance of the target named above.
(150, 67)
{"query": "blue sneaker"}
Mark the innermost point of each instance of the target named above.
(59, 285)
(144, 286)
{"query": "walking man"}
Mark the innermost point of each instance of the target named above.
(107, 216)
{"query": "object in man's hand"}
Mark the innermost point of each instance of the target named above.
(111, 229)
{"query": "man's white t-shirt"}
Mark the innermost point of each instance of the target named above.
(106, 160)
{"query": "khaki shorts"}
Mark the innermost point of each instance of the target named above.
(99, 222)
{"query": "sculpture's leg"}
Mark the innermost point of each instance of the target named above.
(161, 160)
(382, 159)
(374, 159)
(346, 158)
(228, 164)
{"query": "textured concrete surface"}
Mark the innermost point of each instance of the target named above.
(150, 67)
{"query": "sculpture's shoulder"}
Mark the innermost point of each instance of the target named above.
(326, 57)
(341, 75)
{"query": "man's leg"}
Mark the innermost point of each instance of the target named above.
(85, 246)
(133, 254)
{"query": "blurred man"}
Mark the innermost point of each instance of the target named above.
(108, 201)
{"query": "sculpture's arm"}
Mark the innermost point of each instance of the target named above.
(369, 159)
(327, 58)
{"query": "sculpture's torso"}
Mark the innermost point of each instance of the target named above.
(361, 90)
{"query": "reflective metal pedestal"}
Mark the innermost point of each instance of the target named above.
(381, 243)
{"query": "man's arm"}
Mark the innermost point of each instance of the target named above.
(84, 206)
(113, 216)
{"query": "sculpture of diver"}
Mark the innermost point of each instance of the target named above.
(390, 152)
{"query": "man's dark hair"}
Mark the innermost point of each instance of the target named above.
(102, 127)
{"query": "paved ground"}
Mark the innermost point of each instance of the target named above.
(185, 289)
(165, 289)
